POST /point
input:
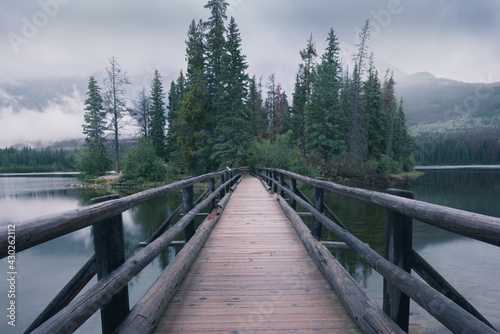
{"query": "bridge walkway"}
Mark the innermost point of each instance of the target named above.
(254, 275)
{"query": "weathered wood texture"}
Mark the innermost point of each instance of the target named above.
(370, 318)
(109, 245)
(449, 314)
(85, 305)
(398, 246)
(144, 316)
(473, 225)
(41, 229)
(254, 275)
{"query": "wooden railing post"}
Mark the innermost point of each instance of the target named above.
(293, 189)
(398, 250)
(269, 175)
(187, 201)
(110, 254)
(319, 195)
(282, 183)
(222, 192)
(211, 189)
(228, 177)
(275, 185)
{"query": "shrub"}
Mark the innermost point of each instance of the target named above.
(142, 164)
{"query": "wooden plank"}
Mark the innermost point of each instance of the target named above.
(254, 274)
(80, 309)
(449, 314)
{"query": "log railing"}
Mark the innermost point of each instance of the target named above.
(447, 305)
(69, 309)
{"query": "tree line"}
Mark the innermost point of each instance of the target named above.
(219, 115)
(458, 148)
(27, 160)
(216, 115)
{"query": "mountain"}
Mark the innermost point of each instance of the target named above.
(437, 105)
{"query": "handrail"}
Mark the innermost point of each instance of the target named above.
(473, 225)
(85, 305)
(450, 314)
(35, 231)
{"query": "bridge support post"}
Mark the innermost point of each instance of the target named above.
(293, 189)
(187, 201)
(275, 178)
(227, 175)
(282, 183)
(211, 189)
(222, 181)
(110, 254)
(316, 227)
(398, 250)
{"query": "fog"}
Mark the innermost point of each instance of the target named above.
(50, 40)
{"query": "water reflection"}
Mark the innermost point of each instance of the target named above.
(468, 264)
(44, 269)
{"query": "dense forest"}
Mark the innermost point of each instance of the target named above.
(340, 120)
(28, 160)
(458, 148)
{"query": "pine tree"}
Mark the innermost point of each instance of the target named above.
(257, 111)
(175, 97)
(302, 91)
(195, 123)
(323, 115)
(140, 113)
(115, 102)
(390, 106)
(358, 141)
(93, 159)
(233, 130)
(157, 118)
(215, 51)
(377, 116)
(403, 143)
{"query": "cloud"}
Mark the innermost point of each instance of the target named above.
(73, 39)
(60, 119)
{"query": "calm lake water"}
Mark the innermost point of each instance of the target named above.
(472, 267)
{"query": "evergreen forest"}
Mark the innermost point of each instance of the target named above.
(339, 120)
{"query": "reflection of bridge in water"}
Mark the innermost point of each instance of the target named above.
(253, 265)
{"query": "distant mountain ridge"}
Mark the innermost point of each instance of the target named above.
(437, 105)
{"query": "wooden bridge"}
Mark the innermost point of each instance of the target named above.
(253, 266)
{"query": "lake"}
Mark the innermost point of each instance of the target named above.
(43, 270)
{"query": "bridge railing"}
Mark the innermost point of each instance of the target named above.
(69, 309)
(447, 305)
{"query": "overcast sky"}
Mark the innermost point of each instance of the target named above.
(73, 39)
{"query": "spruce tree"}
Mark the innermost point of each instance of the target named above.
(258, 114)
(233, 130)
(140, 113)
(175, 97)
(195, 132)
(403, 143)
(302, 91)
(358, 141)
(377, 116)
(323, 115)
(93, 159)
(390, 106)
(157, 118)
(215, 52)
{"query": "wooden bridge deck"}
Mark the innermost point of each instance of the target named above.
(254, 275)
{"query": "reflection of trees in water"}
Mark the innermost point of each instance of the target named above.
(475, 190)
